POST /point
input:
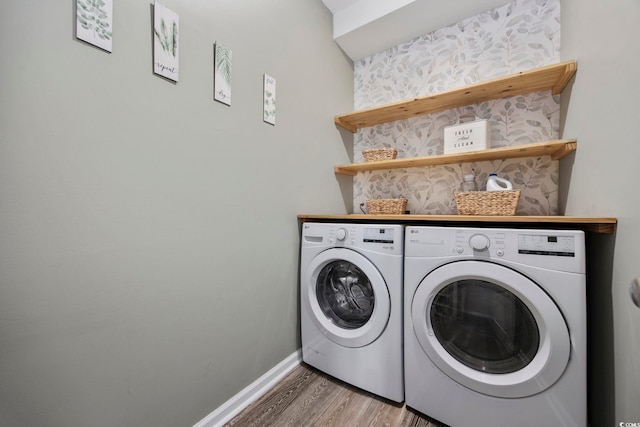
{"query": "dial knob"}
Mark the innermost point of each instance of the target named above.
(341, 234)
(479, 242)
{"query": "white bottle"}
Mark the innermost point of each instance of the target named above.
(469, 183)
(498, 184)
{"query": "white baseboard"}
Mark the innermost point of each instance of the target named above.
(251, 393)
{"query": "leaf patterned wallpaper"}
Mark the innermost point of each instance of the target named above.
(516, 37)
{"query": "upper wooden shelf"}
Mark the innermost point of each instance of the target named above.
(556, 149)
(552, 77)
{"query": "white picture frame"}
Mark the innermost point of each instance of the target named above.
(222, 72)
(94, 23)
(269, 99)
(166, 32)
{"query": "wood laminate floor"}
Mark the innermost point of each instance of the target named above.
(308, 397)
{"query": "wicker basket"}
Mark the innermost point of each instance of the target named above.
(386, 206)
(487, 202)
(379, 154)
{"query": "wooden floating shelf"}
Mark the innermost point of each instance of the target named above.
(592, 224)
(557, 149)
(552, 77)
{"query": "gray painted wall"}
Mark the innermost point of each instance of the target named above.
(600, 180)
(148, 256)
(149, 241)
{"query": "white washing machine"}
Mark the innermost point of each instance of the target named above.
(495, 326)
(351, 304)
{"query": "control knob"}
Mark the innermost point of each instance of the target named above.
(341, 234)
(479, 242)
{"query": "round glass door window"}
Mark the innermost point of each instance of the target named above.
(484, 326)
(346, 297)
(345, 294)
(490, 328)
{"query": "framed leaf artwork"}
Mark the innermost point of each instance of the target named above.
(269, 99)
(94, 22)
(222, 74)
(165, 42)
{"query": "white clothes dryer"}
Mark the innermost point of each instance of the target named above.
(351, 304)
(495, 326)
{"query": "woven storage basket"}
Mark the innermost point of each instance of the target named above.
(386, 206)
(487, 202)
(379, 154)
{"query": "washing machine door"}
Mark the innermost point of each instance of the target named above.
(490, 328)
(347, 297)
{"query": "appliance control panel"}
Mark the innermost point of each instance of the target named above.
(530, 244)
(378, 235)
(479, 241)
(375, 237)
(561, 250)
(550, 245)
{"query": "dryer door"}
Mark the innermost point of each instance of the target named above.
(490, 328)
(347, 297)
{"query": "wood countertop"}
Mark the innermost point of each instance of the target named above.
(590, 224)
